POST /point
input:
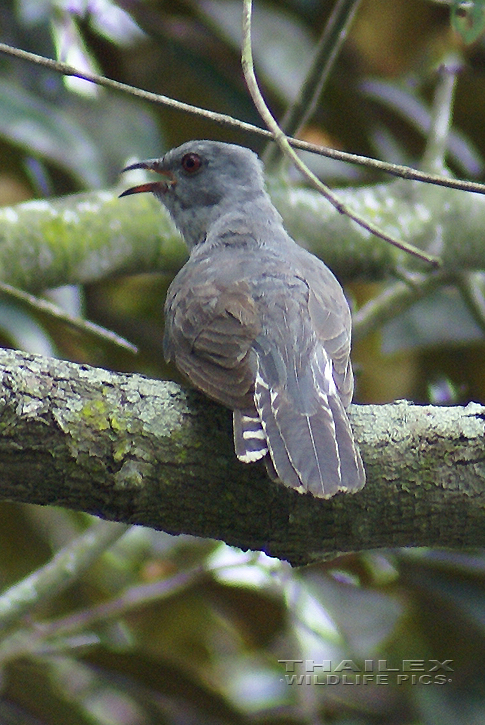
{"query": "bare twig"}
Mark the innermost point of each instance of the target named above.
(59, 314)
(38, 636)
(326, 52)
(405, 172)
(282, 141)
(394, 300)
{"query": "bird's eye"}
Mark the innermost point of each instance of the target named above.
(191, 162)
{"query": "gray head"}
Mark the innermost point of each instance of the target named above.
(202, 180)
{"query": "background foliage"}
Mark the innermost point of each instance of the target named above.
(194, 630)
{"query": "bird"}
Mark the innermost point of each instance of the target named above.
(255, 321)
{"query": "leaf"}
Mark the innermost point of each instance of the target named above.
(468, 19)
(120, 128)
(282, 45)
(39, 127)
(439, 319)
(403, 101)
(23, 331)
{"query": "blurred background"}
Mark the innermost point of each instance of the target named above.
(222, 647)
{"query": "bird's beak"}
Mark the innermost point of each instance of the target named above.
(157, 187)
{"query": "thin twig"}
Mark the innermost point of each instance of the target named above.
(471, 287)
(404, 172)
(282, 141)
(325, 55)
(394, 300)
(56, 312)
(58, 634)
(37, 637)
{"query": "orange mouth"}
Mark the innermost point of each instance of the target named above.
(157, 187)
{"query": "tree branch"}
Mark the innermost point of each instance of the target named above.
(147, 452)
(285, 147)
(405, 172)
(87, 237)
(61, 571)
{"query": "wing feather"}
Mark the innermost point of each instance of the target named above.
(274, 346)
(209, 332)
(307, 428)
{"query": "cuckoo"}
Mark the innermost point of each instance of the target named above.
(255, 321)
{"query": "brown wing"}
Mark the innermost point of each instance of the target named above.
(209, 332)
(331, 321)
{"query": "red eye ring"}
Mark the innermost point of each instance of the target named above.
(191, 163)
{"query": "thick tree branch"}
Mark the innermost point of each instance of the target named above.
(147, 452)
(87, 237)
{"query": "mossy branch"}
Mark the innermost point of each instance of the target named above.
(147, 452)
(87, 237)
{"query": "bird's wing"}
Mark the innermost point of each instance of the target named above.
(331, 321)
(303, 383)
(209, 332)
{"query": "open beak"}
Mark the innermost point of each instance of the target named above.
(157, 187)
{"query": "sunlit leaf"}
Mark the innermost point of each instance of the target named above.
(468, 18)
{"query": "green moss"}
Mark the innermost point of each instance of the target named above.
(121, 448)
(117, 424)
(96, 414)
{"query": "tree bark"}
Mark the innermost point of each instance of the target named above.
(86, 237)
(142, 451)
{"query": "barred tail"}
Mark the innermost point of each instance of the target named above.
(307, 431)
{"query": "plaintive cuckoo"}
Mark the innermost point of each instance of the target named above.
(255, 321)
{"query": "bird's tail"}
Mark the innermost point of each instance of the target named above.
(249, 437)
(304, 427)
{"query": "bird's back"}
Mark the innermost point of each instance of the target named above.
(255, 321)
(271, 341)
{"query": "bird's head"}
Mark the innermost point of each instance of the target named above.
(200, 181)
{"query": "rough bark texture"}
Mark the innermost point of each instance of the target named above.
(147, 452)
(87, 237)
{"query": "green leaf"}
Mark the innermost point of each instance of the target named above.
(23, 331)
(38, 126)
(468, 19)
